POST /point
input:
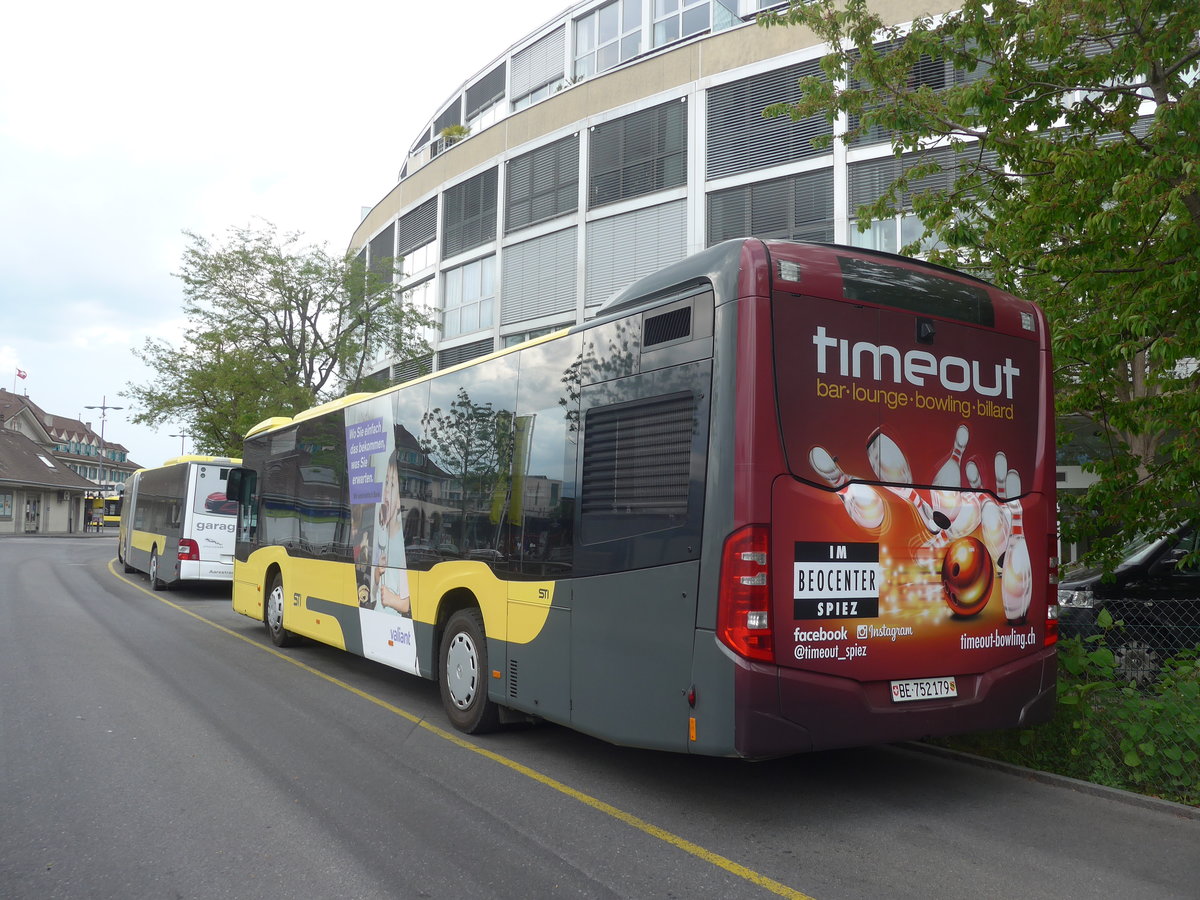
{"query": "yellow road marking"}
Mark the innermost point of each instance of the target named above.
(721, 862)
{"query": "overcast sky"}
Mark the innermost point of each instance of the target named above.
(123, 124)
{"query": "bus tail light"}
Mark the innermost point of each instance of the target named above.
(188, 549)
(744, 596)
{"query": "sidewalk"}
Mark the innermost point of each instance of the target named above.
(111, 533)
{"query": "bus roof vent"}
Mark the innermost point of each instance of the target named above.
(669, 326)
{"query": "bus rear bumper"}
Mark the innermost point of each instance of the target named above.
(784, 711)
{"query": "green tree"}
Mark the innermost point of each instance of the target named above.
(275, 327)
(1074, 181)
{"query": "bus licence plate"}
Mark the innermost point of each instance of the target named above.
(924, 689)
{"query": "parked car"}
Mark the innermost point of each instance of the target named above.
(1154, 597)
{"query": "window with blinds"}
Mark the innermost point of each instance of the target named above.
(796, 208)
(926, 72)
(382, 248)
(741, 140)
(638, 154)
(456, 355)
(539, 278)
(870, 179)
(416, 228)
(542, 184)
(487, 91)
(538, 66)
(469, 213)
(410, 369)
(452, 115)
(621, 249)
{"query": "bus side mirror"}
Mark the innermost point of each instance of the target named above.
(233, 484)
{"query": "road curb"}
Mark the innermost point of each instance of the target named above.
(1129, 798)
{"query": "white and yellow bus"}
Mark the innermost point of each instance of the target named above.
(176, 523)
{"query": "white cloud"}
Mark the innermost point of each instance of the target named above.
(124, 124)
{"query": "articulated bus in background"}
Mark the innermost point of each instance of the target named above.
(176, 523)
(103, 511)
(777, 497)
(112, 511)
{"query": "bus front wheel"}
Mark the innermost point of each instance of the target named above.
(273, 615)
(462, 674)
(123, 556)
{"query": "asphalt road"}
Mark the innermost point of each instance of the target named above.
(156, 745)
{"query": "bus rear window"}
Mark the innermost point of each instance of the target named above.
(927, 293)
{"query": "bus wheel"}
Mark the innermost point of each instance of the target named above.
(462, 674)
(156, 583)
(273, 615)
(125, 562)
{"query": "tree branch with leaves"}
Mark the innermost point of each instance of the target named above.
(276, 326)
(1075, 182)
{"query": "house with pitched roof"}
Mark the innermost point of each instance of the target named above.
(49, 466)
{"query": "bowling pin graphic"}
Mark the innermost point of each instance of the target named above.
(1017, 584)
(890, 464)
(862, 501)
(993, 519)
(949, 475)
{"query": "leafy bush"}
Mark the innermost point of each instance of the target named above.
(1110, 732)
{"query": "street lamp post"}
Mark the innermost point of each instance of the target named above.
(181, 436)
(104, 408)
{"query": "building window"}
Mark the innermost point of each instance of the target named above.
(419, 259)
(741, 140)
(511, 340)
(486, 91)
(422, 297)
(608, 35)
(462, 354)
(469, 297)
(542, 184)
(469, 212)
(417, 227)
(870, 179)
(638, 154)
(382, 254)
(675, 19)
(795, 208)
(537, 71)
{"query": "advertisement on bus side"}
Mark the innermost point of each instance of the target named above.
(375, 464)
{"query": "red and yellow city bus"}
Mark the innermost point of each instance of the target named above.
(777, 497)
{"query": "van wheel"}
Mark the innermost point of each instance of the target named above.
(463, 674)
(273, 615)
(156, 583)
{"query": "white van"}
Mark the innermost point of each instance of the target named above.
(176, 522)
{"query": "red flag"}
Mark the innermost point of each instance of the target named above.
(20, 373)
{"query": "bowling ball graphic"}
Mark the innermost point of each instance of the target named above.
(967, 575)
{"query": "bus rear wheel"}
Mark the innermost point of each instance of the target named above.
(273, 615)
(462, 674)
(156, 583)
